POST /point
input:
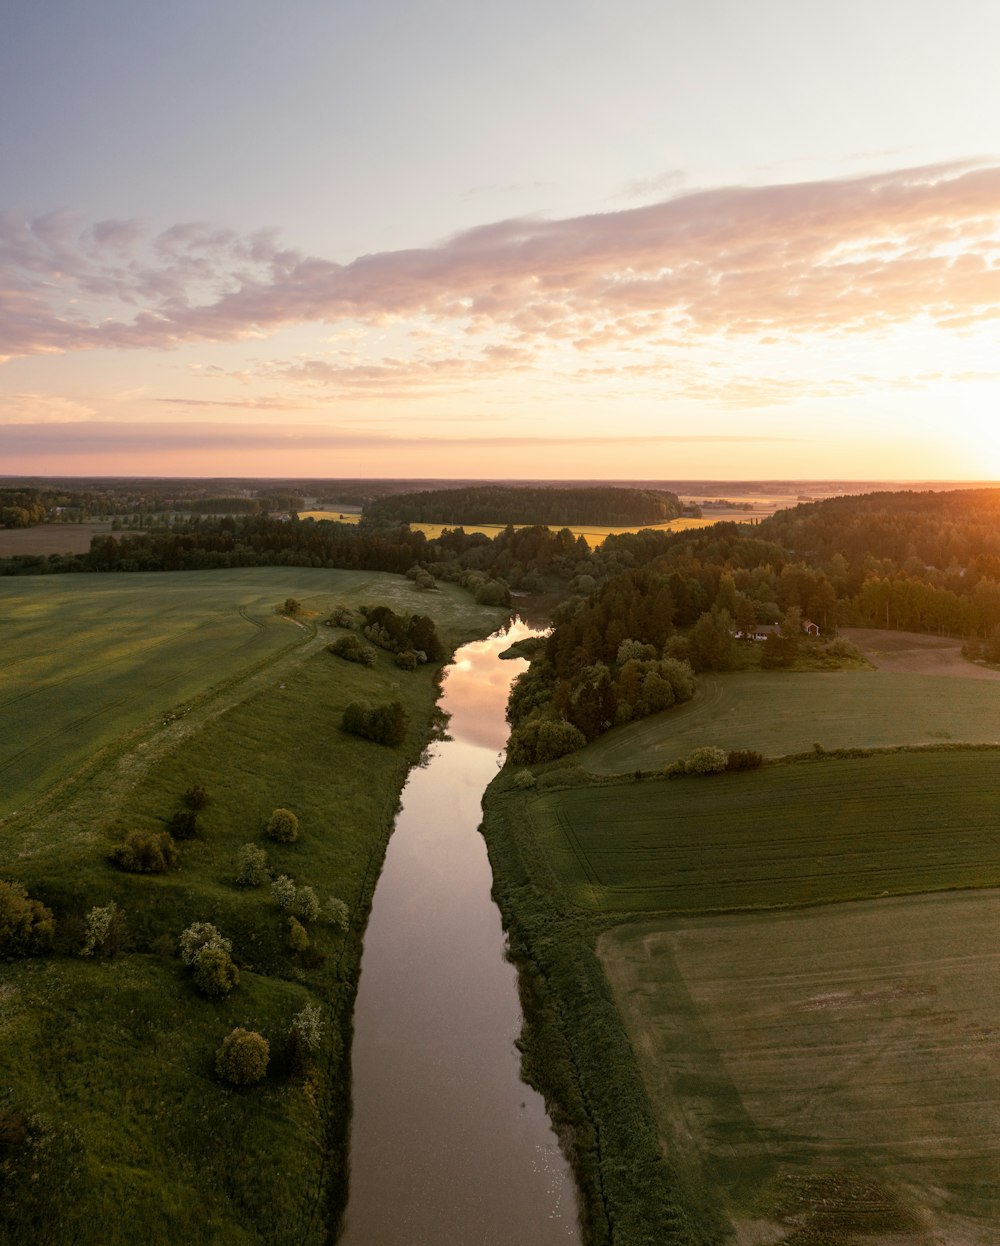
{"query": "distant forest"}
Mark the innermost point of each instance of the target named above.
(497, 504)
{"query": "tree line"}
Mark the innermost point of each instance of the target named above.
(498, 504)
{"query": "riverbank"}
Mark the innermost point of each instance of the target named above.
(633, 1185)
(109, 1061)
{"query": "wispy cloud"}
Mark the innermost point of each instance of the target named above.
(838, 256)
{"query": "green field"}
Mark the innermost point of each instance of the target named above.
(113, 1059)
(786, 834)
(836, 1068)
(85, 659)
(787, 712)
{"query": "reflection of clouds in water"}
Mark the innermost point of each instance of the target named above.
(476, 688)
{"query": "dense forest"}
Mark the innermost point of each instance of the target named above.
(497, 504)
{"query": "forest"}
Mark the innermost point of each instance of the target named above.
(541, 505)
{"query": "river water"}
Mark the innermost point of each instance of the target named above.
(448, 1145)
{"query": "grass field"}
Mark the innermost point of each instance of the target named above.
(595, 534)
(788, 834)
(777, 712)
(113, 1058)
(837, 1068)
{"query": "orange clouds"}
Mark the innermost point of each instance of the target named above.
(831, 257)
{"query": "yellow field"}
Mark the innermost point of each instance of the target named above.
(594, 534)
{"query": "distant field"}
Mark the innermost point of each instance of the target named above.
(594, 534)
(86, 658)
(50, 538)
(784, 835)
(779, 712)
(837, 1068)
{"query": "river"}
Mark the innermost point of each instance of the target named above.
(448, 1145)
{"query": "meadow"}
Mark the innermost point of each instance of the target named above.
(779, 712)
(111, 1059)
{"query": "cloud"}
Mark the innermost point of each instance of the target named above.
(81, 438)
(838, 256)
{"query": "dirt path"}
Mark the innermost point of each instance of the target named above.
(916, 653)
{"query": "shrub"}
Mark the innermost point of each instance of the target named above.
(675, 768)
(524, 779)
(146, 852)
(215, 974)
(353, 649)
(283, 826)
(107, 931)
(407, 660)
(385, 724)
(305, 1035)
(242, 1059)
(197, 937)
(744, 759)
(337, 913)
(251, 866)
(298, 937)
(706, 760)
(307, 904)
(283, 892)
(196, 798)
(26, 926)
(185, 824)
(292, 606)
(543, 739)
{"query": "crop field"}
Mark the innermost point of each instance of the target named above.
(835, 1071)
(51, 538)
(778, 712)
(788, 834)
(595, 534)
(86, 658)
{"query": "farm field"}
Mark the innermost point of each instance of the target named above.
(113, 1057)
(51, 538)
(87, 658)
(784, 835)
(837, 1069)
(594, 534)
(779, 712)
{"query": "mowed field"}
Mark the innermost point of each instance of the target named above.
(594, 534)
(779, 712)
(837, 1068)
(84, 659)
(783, 835)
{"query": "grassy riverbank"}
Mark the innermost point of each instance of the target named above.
(108, 1061)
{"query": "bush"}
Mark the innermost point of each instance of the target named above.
(524, 779)
(353, 649)
(251, 866)
(298, 937)
(215, 974)
(543, 739)
(407, 660)
(283, 892)
(305, 1035)
(337, 913)
(185, 824)
(706, 760)
(744, 759)
(196, 798)
(107, 931)
(242, 1059)
(26, 926)
(146, 852)
(307, 904)
(283, 826)
(385, 724)
(197, 937)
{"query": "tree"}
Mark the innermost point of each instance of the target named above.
(243, 1057)
(26, 925)
(215, 974)
(283, 826)
(146, 852)
(251, 866)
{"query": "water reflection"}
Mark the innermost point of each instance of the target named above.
(447, 1144)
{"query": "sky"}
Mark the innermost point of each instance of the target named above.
(575, 239)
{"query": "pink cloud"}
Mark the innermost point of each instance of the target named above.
(822, 257)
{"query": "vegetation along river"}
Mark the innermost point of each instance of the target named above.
(448, 1145)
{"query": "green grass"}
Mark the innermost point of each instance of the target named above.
(787, 834)
(777, 713)
(117, 1055)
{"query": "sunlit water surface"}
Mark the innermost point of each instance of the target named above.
(448, 1145)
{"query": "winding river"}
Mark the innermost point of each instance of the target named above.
(448, 1145)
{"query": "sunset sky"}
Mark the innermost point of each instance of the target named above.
(561, 239)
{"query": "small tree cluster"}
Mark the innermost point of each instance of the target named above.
(146, 852)
(385, 724)
(705, 760)
(353, 649)
(744, 759)
(197, 937)
(282, 826)
(252, 868)
(26, 925)
(543, 739)
(243, 1057)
